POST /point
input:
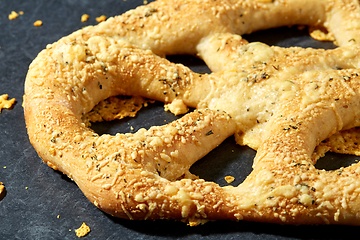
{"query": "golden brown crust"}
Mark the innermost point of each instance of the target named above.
(283, 102)
(1, 189)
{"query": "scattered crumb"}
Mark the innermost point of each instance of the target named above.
(229, 179)
(4, 167)
(131, 128)
(38, 23)
(101, 18)
(13, 15)
(82, 231)
(145, 2)
(4, 103)
(84, 17)
(58, 216)
(21, 12)
(26, 187)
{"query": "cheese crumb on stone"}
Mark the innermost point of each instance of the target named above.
(229, 179)
(38, 23)
(101, 18)
(84, 17)
(13, 15)
(4, 103)
(82, 231)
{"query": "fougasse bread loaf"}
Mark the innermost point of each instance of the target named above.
(280, 101)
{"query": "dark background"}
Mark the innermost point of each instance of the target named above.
(36, 195)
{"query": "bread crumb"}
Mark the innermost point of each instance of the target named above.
(13, 15)
(101, 18)
(4, 103)
(38, 23)
(21, 12)
(145, 2)
(84, 17)
(229, 179)
(82, 231)
(58, 216)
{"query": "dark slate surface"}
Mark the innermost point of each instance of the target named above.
(36, 195)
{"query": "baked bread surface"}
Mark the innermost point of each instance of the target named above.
(280, 101)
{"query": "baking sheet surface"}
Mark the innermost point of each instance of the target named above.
(40, 203)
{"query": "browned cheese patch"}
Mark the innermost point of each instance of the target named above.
(117, 107)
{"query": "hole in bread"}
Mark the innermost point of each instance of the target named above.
(342, 149)
(334, 161)
(152, 115)
(228, 159)
(294, 36)
(195, 64)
